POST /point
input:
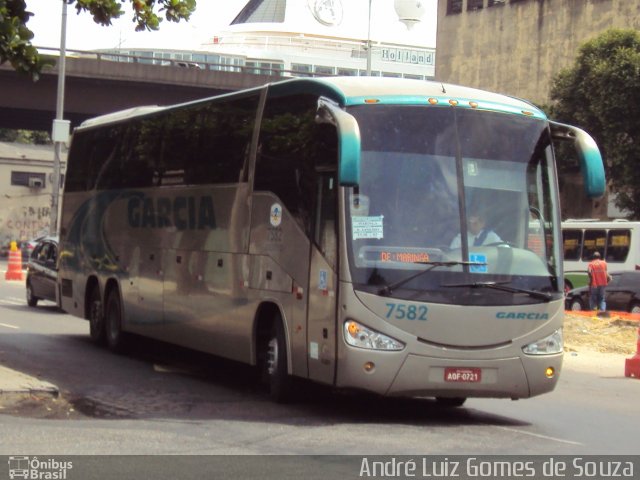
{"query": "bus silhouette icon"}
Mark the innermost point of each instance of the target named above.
(18, 467)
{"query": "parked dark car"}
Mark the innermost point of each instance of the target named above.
(42, 272)
(622, 294)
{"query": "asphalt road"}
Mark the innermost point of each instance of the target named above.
(164, 400)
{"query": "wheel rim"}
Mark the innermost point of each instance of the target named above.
(635, 309)
(29, 294)
(576, 307)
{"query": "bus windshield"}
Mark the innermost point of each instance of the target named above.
(471, 189)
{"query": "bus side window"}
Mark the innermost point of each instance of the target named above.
(594, 241)
(572, 242)
(286, 154)
(618, 243)
(228, 135)
(326, 160)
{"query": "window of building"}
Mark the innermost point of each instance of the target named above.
(264, 68)
(28, 179)
(473, 5)
(454, 6)
(301, 69)
(322, 70)
(493, 3)
(349, 72)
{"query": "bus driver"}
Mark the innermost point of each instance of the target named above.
(477, 233)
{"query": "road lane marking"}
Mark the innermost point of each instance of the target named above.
(12, 301)
(545, 437)
(9, 326)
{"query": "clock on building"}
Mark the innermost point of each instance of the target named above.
(327, 12)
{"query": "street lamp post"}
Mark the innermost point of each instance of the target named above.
(369, 43)
(60, 130)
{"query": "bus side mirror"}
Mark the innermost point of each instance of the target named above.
(591, 164)
(348, 141)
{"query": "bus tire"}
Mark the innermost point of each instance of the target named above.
(278, 378)
(451, 402)
(96, 317)
(116, 338)
(635, 308)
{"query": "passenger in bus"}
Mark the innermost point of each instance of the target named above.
(478, 233)
(598, 280)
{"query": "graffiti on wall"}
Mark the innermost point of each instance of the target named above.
(24, 218)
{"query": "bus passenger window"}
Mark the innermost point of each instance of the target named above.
(618, 243)
(571, 241)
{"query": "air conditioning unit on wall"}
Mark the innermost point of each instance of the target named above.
(35, 182)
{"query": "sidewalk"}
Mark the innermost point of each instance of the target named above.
(13, 383)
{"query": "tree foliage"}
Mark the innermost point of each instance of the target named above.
(15, 36)
(25, 136)
(601, 93)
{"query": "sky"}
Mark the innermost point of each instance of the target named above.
(210, 17)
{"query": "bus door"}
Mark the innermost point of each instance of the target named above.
(323, 282)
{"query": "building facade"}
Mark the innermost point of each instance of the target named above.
(517, 46)
(25, 178)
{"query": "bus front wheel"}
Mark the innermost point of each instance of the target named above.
(276, 364)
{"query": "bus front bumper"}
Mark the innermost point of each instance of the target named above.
(426, 376)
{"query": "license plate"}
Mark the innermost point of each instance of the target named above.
(462, 374)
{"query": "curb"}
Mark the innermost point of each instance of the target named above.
(13, 383)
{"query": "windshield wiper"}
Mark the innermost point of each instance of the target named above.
(387, 289)
(547, 297)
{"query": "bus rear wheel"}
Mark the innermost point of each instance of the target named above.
(96, 317)
(116, 338)
(278, 379)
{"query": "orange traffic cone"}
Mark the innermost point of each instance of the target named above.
(632, 365)
(14, 269)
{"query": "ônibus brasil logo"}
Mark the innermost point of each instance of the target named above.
(33, 468)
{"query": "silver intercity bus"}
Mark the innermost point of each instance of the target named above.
(396, 236)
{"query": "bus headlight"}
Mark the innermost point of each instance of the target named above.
(360, 336)
(546, 346)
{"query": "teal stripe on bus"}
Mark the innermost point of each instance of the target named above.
(443, 101)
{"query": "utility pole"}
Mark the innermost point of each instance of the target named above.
(369, 43)
(60, 129)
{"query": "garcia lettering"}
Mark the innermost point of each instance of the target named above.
(523, 315)
(185, 213)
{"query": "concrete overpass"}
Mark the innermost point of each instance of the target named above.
(95, 86)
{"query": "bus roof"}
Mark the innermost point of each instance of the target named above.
(348, 91)
(120, 115)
